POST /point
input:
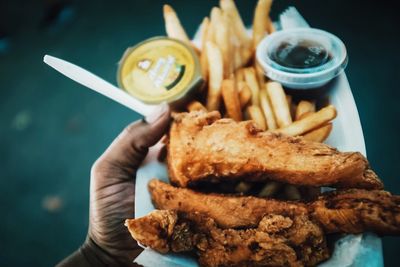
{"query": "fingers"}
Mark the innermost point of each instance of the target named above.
(129, 149)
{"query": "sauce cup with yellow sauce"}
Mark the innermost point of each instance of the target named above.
(159, 70)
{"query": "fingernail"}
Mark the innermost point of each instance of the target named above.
(157, 113)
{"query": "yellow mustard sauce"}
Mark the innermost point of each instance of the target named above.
(159, 69)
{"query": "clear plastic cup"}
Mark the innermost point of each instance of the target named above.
(333, 62)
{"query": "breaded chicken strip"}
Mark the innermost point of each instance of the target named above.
(276, 241)
(350, 211)
(204, 147)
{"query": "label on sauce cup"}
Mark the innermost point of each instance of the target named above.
(159, 69)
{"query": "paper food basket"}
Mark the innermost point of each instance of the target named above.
(364, 250)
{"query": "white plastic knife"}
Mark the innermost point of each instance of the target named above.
(103, 87)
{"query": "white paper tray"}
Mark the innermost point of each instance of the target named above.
(353, 250)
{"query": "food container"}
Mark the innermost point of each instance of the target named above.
(349, 250)
(347, 135)
(302, 58)
(159, 70)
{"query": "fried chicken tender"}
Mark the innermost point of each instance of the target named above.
(349, 211)
(356, 211)
(227, 211)
(204, 147)
(276, 241)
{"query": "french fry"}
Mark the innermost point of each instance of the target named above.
(260, 74)
(209, 35)
(256, 115)
(267, 109)
(216, 74)
(270, 189)
(237, 57)
(173, 26)
(232, 77)
(291, 192)
(215, 19)
(302, 116)
(244, 93)
(261, 20)
(230, 8)
(292, 106)
(320, 134)
(310, 122)
(196, 106)
(231, 99)
(203, 31)
(243, 50)
(279, 104)
(246, 54)
(251, 80)
(203, 55)
(235, 43)
(239, 74)
(271, 27)
(229, 46)
(304, 107)
(221, 36)
(204, 65)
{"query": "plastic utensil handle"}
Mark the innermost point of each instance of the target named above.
(99, 85)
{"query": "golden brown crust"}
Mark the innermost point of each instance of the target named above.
(204, 147)
(227, 211)
(350, 211)
(156, 227)
(356, 211)
(276, 241)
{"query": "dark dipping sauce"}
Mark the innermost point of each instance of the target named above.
(300, 55)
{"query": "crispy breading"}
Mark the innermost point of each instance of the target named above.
(349, 211)
(356, 211)
(227, 211)
(276, 241)
(204, 147)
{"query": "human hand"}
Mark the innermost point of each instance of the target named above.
(112, 194)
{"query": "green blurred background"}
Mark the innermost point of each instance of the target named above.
(53, 129)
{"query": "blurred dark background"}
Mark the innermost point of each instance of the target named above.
(53, 129)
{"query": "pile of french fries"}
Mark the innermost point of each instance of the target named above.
(237, 86)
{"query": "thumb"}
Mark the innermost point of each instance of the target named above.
(129, 149)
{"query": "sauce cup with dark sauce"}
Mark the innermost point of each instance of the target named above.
(302, 58)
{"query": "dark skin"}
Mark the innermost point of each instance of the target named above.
(112, 195)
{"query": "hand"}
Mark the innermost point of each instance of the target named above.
(112, 194)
